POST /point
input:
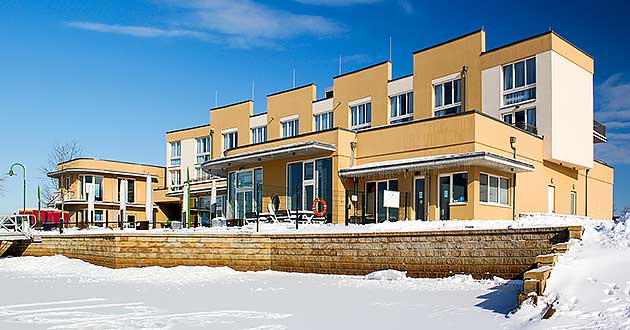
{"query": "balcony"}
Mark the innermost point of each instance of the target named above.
(526, 127)
(599, 132)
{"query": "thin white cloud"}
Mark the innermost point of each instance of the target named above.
(406, 6)
(357, 59)
(613, 151)
(618, 136)
(617, 124)
(136, 31)
(613, 99)
(338, 3)
(232, 23)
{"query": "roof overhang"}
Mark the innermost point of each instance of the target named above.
(480, 158)
(88, 171)
(220, 166)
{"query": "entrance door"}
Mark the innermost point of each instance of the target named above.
(445, 197)
(419, 199)
(551, 199)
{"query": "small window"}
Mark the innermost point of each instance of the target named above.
(447, 97)
(131, 191)
(361, 115)
(573, 203)
(493, 189)
(176, 153)
(519, 82)
(259, 134)
(401, 108)
(203, 150)
(176, 179)
(67, 183)
(460, 187)
(290, 128)
(230, 140)
(323, 121)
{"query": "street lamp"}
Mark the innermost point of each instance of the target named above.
(12, 173)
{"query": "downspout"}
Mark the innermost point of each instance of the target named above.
(464, 78)
(353, 148)
(586, 194)
(513, 146)
(428, 192)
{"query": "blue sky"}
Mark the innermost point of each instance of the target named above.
(117, 75)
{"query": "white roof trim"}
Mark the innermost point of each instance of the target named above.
(258, 121)
(322, 106)
(400, 86)
(289, 118)
(229, 130)
(450, 77)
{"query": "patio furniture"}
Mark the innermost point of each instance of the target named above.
(252, 217)
(269, 216)
(283, 216)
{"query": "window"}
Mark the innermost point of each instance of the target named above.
(493, 189)
(230, 140)
(457, 187)
(323, 121)
(98, 216)
(361, 115)
(203, 150)
(290, 128)
(245, 192)
(131, 189)
(448, 98)
(67, 185)
(523, 119)
(375, 208)
(309, 180)
(402, 108)
(176, 179)
(97, 181)
(131, 221)
(519, 82)
(573, 201)
(259, 134)
(176, 153)
(200, 175)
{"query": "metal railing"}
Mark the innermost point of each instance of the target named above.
(15, 226)
(526, 127)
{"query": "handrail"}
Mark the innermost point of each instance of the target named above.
(16, 224)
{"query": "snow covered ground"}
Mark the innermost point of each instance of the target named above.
(589, 286)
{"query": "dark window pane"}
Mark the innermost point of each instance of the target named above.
(460, 187)
(457, 90)
(519, 74)
(531, 71)
(410, 102)
(507, 119)
(531, 117)
(439, 96)
(507, 77)
(448, 93)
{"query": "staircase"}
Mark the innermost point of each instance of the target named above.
(15, 227)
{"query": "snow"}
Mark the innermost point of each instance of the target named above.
(589, 288)
(533, 221)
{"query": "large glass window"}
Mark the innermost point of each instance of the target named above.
(361, 115)
(494, 189)
(323, 121)
(448, 98)
(523, 119)
(176, 153)
(203, 150)
(230, 140)
(244, 192)
(176, 179)
(97, 181)
(375, 208)
(309, 180)
(460, 187)
(519, 81)
(290, 128)
(259, 134)
(401, 108)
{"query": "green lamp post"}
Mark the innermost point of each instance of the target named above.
(12, 173)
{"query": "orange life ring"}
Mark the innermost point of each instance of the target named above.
(324, 207)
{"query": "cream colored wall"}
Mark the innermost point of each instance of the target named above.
(297, 101)
(369, 82)
(444, 60)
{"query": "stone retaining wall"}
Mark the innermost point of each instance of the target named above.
(483, 253)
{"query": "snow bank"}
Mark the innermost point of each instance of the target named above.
(387, 274)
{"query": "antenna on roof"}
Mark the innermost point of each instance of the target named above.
(293, 77)
(339, 64)
(550, 29)
(216, 98)
(390, 48)
(252, 90)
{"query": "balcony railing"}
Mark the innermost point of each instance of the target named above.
(599, 132)
(526, 127)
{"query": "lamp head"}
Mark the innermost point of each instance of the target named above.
(11, 173)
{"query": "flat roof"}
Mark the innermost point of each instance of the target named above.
(187, 128)
(110, 160)
(359, 70)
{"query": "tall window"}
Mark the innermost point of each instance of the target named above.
(323, 121)
(519, 81)
(200, 175)
(290, 128)
(259, 134)
(309, 180)
(361, 115)
(448, 97)
(97, 181)
(176, 153)
(176, 179)
(375, 197)
(245, 192)
(230, 140)
(402, 108)
(494, 189)
(131, 191)
(203, 150)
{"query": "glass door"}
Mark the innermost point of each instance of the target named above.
(419, 199)
(381, 209)
(445, 197)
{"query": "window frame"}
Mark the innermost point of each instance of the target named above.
(175, 186)
(514, 89)
(526, 110)
(175, 160)
(263, 134)
(294, 124)
(365, 124)
(498, 202)
(233, 133)
(387, 209)
(442, 82)
(451, 203)
(205, 154)
(398, 118)
(319, 121)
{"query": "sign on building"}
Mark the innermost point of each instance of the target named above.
(391, 198)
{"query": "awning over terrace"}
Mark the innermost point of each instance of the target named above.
(220, 166)
(480, 158)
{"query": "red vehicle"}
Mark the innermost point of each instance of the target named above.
(49, 218)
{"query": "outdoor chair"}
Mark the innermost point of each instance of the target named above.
(250, 217)
(269, 216)
(283, 216)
